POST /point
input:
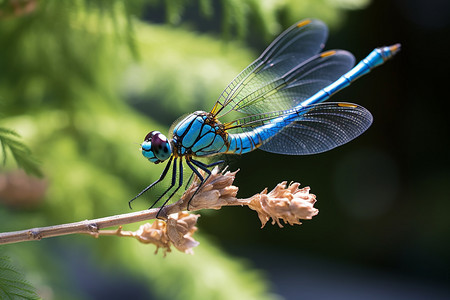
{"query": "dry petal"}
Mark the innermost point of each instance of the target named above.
(216, 192)
(154, 233)
(180, 228)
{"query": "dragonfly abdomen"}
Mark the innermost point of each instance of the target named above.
(244, 142)
(376, 58)
(241, 143)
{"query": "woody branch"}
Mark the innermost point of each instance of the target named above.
(283, 203)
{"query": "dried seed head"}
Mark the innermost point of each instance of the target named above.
(176, 231)
(216, 192)
(180, 228)
(288, 204)
(154, 233)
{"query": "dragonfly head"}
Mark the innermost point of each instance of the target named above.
(156, 147)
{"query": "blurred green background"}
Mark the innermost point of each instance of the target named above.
(84, 81)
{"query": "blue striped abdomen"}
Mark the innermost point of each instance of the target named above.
(240, 143)
(377, 57)
(245, 142)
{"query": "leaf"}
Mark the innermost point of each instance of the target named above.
(20, 152)
(13, 284)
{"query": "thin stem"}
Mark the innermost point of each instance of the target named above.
(287, 203)
(87, 226)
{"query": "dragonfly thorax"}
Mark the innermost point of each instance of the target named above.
(156, 147)
(199, 134)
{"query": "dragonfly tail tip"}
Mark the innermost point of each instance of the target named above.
(395, 48)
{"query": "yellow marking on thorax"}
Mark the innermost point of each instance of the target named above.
(215, 109)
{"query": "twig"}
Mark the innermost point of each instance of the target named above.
(87, 226)
(287, 203)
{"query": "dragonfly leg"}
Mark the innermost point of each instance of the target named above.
(174, 179)
(188, 161)
(202, 166)
(210, 165)
(180, 183)
(189, 181)
(205, 165)
(161, 178)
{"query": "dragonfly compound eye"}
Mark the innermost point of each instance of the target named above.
(156, 148)
(161, 146)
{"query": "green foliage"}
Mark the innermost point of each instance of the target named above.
(238, 17)
(12, 282)
(66, 102)
(208, 274)
(186, 80)
(20, 152)
(69, 72)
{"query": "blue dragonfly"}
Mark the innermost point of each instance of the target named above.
(279, 99)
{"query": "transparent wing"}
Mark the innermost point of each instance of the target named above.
(295, 45)
(297, 85)
(323, 127)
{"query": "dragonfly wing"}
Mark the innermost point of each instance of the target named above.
(298, 84)
(323, 127)
(295, 45)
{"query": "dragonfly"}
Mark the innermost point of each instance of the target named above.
(279, 102)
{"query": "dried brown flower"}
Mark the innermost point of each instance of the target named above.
(288, 204)
(154, 233)
(177, 231)
(180, 228)
(216, 192)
